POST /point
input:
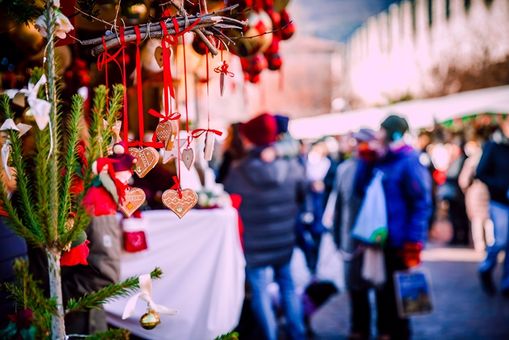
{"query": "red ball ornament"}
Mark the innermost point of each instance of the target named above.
(274, 61)
(287, 26)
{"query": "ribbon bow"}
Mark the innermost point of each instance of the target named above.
(145, 294)
(176, 185)
(223, 71)
(39, 108)
(209, 141)
(10, 125)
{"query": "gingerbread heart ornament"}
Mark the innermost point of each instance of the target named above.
(158, 55)
(146, 160)
(188, 157)
(134, 198)
(180, 205)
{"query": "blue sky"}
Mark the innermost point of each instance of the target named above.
(334, 19)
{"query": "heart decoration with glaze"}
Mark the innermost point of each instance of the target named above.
(180, 205)
(188, 157)
(134, 198)
(147, 159)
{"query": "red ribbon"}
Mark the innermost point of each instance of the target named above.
(124, 82)
(121, 187)
(176, 186)
(139, 85)
(173, 116)
(223, 69)
(198, 132)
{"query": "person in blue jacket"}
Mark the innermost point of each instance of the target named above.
(407, 188)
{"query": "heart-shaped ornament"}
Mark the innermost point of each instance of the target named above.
(146, 160)
(158, 55)
(188, 157)
(180, 205)
(164, 131)
(134, 198)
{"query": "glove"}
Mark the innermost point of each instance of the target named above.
(411, 254)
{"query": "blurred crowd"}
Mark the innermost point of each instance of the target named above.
(448, 184)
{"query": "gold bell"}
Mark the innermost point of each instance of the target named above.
(150, 319)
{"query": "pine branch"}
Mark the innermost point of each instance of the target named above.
(96, 125)
(16, 224)
(111, 334)
(27, 293)
(70, 162)
(81, 222)
(27, 218)
(108, 293)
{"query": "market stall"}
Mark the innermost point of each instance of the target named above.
(203, 264)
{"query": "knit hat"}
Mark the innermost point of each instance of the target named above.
(364, 135)
(395, 126)
(282, 123)
(261, 130)
(122, 160)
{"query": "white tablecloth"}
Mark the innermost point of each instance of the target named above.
(203, 275)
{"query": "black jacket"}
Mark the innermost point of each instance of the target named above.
(493, 170)
(269, 194)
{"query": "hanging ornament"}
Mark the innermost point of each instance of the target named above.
(223, 72)
(151, 318)
(180, 202)
(146, 160)
(188, 157)
(208, 151)
(39, 108)
(280, 5)
(166, 132)
(134, 198)
(256, 39)
(287, 26)
(169, 154)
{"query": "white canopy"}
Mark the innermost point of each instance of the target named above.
(419, 113)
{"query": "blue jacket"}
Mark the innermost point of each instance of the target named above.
(269, 206)
(407, 187)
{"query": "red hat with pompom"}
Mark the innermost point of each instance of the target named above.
(261, 130)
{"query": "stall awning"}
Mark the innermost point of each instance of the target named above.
(419, 113)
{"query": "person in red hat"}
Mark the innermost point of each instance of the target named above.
(269, 206)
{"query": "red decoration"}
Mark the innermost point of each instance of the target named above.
(75, 256)
(134, 241)
(98, 202)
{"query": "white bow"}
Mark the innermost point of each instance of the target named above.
(10, 125)
(6, 150)
(145, 294)
(39, 108)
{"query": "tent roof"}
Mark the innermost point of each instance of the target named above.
(419, 113)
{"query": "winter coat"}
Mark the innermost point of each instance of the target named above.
(269, 205)
(493, 170)
(407, 187)
(11, 247)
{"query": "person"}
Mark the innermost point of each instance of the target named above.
(269, 203)
(407, 187)
(346, 207)
(233, 149)
(476, 196)
(493, 170)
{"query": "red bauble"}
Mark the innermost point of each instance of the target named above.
(274, 61)
(287, 26)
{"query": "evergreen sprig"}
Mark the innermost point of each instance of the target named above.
(108, 293)
(24, 217)
(111, 334)
(26, 293)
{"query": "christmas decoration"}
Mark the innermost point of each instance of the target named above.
(134, 198)
(146, 160)
(151, 318)
(188, 157)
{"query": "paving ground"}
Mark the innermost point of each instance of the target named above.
(462, 310)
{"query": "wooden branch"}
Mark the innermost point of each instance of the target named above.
(153, 30)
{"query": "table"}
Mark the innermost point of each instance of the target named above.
(203, 274)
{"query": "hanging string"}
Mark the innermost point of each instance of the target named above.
(139, 85)
(124, 83)
(185, 90)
